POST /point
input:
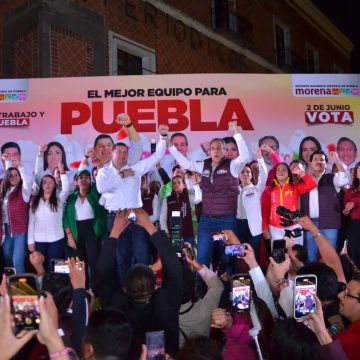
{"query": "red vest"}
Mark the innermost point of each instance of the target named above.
(18, 213)
(147, 202)
(220, 196)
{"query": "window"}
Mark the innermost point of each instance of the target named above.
(282, 44)
(312, 59)
(126, 57)
(224, 14)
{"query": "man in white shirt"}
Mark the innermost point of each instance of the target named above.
(119, 183)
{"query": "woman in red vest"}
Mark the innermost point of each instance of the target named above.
(283, 192)
(14, 197)
(180, 200)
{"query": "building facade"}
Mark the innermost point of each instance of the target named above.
(59, 38)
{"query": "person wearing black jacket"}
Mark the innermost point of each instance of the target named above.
(147, 309)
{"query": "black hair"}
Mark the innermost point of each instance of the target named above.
(155, 186)
(179, 134)
(308, 138)
(297, 161)
(10, 144)
(5, 184)
(59, 286)
(109, 333)
(95, 168)
(189, 286)
(327, 282)
(343, 139)
(140, 283)
(318, 152)
(270, 137)
(291, 180)
(229, 140)
(102, 136)
(199, 348)
(63, 160)
(301, 253)
(355, 184)
(293, 340)
(53, 200)
(119, 144)
(175, 168)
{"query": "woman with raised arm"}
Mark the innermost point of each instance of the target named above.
(14, 199)
(46, 232)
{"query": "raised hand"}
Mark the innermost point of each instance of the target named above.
(123, 119)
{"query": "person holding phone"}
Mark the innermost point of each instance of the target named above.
(147, 308)
(46, 232)
(195, 314)
(15, 191)
(10, 344)
(180, 200)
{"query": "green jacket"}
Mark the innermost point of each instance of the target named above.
(69, 218)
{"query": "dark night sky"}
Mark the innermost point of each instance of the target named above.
(346, 15)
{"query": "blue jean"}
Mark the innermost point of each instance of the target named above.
(51, 250)
(207, 226)
(14, 249)
(133, 247)
(312, 249)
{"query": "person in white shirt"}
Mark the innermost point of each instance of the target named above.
(119, 183)
(46, 232)
(248, 216)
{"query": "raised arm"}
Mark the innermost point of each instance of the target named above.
(238, 163)
(328, 254)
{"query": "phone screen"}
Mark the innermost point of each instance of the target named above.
(241, 292)
(278, 253)
(155, 343)
(235, 250)
(304, 296)
(60, 266)
(219, 236)
(25, 301)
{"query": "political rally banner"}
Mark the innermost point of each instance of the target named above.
(73, 111)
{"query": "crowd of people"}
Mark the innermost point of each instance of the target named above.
(144, 241)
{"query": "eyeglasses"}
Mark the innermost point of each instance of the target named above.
(348, 294)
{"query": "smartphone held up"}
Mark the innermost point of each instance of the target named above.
(241, 292)
(304, 296)
(24, 296)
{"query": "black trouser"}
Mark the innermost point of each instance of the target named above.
(88, 248)
(353, 235)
